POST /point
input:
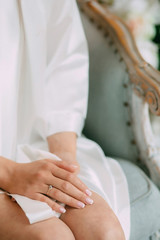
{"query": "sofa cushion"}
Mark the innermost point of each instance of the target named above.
(144, 200)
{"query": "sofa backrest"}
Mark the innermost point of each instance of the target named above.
(109, 118)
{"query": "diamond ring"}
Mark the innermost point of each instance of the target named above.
(49, 188)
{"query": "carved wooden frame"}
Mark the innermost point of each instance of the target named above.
(144, 78)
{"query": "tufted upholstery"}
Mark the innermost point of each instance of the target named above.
(108, 81)
(109, 123)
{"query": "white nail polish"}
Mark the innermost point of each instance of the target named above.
(89, 200)
(74, 166)
(81, 205)
(63, 210)
(89, 193)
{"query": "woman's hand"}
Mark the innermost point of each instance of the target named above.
(69, 159)
(33, 179)
(64, 145)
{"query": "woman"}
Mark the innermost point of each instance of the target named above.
(61, 182)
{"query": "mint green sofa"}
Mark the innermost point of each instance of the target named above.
(110, 117)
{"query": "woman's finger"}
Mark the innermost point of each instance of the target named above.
(65, 198)
(64, 165)
(69, 189)
(55, 206)
(72, 178)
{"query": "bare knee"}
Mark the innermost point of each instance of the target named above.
(52, 232)
(113, 233)
(109, 230)
(15, 225)
(97, 222)
(55, 235)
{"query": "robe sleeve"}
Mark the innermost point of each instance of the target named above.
(66, 86)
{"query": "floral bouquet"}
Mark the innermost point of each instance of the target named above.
(141, 17)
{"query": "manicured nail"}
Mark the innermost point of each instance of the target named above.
(89, 193)
(89, 200)
(62, 210)
(81, 205)
(74, 166)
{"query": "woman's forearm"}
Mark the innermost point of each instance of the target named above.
(63, 143)
(6, 172)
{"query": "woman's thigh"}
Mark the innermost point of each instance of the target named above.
(14, 225)
(96, 221)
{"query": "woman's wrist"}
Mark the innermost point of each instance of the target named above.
(63, 143)
(6, 172)
(69, 158)
(64, 146)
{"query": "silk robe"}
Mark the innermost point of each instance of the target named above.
(44, 90)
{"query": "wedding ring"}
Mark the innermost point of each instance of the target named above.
(49, 188)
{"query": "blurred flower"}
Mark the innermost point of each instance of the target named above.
(141, 17)
(149, 52)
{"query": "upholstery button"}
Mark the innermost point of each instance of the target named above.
(125, 85)
(106, 34)
(116, 51)
(133, 142)
(126, 104)
(138, 160)
(111, 43)
(99, 27)
(91, 19)
(127, 70)
(128, 123)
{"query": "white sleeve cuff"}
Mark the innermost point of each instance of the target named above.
(64, 122)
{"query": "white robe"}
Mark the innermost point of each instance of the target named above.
(44, 90)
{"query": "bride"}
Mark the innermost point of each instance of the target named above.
(55, 183)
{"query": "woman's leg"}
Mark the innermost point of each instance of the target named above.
(96, 222)
(14, 225)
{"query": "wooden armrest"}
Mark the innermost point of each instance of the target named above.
(144, 78)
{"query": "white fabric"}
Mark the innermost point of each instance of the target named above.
(44, 90)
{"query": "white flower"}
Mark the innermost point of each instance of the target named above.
(141, 17)
(148, 51)
(141, 25)
(124, 7)
(138, 14)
